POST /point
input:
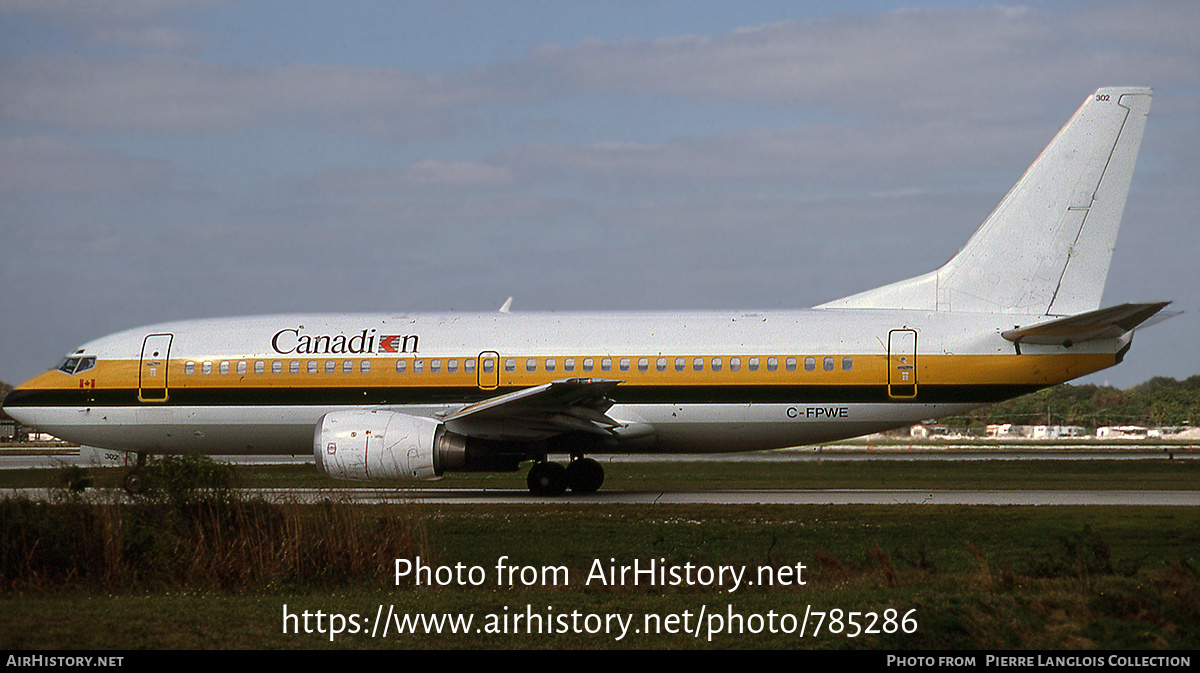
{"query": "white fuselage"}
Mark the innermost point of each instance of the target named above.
(690, 382)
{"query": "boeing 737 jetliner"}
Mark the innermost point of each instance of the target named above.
(397, 396)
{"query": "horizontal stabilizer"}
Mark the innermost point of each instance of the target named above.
(1105, 323)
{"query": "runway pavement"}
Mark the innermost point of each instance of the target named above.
(456, 496)
(440, 495)
(89, 457)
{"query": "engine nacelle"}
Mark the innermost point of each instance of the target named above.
(365, 445)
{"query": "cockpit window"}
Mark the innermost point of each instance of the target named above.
(73, 364)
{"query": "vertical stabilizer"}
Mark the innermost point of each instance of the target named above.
(1046, 248)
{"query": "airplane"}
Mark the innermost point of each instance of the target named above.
(411, 397)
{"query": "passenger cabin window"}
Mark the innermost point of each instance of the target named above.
(451, 366)
(330, 367)
(293, 366)
(469, 365)
(531, 365)
(680, 364)
(241, 367)
(847, 364)
(510, 365)
(810, 364)
(735, 364)
(550, 364)
(698, 364)
(189, 367)
(435, 366)
(624, 364)
(753, 363)
(313, 366)
(347, 366)
(276, 367)
(661, 364)
(418, 366)
(588, 364)
(790, 363)
(401, 366)
(365, 367)
(772, 364)
(606, 365)
(717, 364)
(224, 367)
(827, 363)
(569, 365)
(206, 368)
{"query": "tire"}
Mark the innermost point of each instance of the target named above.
(547, 478)
(585, 475)
(134, 483)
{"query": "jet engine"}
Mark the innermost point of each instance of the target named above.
(367, 445)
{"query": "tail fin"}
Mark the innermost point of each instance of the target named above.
(1046, 248)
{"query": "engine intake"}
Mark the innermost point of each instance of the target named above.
(366, 445)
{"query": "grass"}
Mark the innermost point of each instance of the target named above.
(990, 577)
(190, 528)
(201, 567)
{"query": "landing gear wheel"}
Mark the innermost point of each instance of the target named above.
(585, 475)
(546, 478)
(133, 482)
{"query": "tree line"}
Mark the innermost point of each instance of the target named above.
(1159, 402)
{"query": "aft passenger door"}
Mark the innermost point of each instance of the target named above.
(902, 363)
(152, 373)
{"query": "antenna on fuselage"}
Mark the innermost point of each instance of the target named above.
(507, 305)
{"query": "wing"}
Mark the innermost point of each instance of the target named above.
(555, 408)
(1105, 323)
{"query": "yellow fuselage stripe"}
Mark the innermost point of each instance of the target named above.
(1031, 370)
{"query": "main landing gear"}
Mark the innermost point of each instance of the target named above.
(133, 481)
(582, 475)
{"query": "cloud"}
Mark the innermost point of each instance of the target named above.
(50, 166)
(907, 61)
(880, 155)
(137, 24)
(980, 64)
(182, 95)
(721, 170)
(421, 175)
(151, 38)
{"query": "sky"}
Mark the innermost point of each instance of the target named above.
(172, 159)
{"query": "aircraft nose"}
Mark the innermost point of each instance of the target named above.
(10, 396)
(11, 399)
(18, 398)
